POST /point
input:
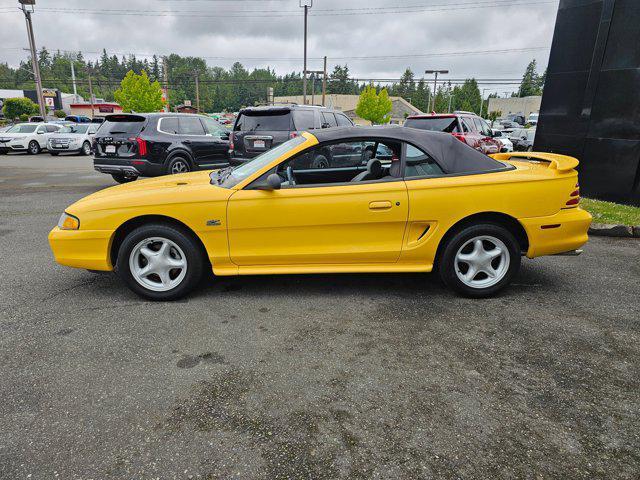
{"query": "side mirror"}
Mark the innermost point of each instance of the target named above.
(325, 125)
(274, 182)
(39, 132)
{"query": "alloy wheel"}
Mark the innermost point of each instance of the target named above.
(158, 264)
(34, 148)
(482, 261)
(86, 148)
(179, 166)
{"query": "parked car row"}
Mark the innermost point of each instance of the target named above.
(55, 138)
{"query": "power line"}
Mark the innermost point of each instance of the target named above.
(293, 13)
(295, 59)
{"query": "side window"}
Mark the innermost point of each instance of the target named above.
(52, 128)
(304, 119)
(329, 119)
(41, 129)
(213, 128)
(92, 130)
(169, 125)
(482, 127)
(419, 163)
(343, 121)
(468, 125)
(191, 126)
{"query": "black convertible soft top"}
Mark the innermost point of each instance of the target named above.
(452, 155)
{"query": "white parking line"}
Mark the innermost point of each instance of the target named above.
(33, 184)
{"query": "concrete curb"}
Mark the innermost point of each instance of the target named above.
(607, 230)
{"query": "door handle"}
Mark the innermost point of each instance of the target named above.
(186, 141)
(380, 205)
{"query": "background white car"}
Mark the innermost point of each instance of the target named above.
(76, 138)
(27, 137)
(502, 137)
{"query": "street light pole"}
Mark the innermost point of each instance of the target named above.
(25, 4)
(435, 83)
(306, 4)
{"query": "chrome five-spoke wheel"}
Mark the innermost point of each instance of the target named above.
(482, 261)
(179, 166)
(158, 264)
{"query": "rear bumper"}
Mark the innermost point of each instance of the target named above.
(128, 168)
(81, 248)
(559, 233)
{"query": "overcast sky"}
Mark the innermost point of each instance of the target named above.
(262, 33)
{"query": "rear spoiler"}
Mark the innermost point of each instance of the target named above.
(561, 163)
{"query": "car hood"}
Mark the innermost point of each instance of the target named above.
(168, 189)
(15, 135)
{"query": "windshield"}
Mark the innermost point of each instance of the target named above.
(74, 129)
(23, 128)
(276, 121)
(230, 178)
(436, 124)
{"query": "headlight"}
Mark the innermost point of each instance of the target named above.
(68, 222)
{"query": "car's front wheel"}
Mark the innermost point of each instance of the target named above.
(86, 149)
(479, 260)
(160, 262)
(34, 147)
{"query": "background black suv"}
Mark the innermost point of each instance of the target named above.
(128, 146)
(258, 129)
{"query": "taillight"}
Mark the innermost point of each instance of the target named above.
(293, 135)
(459, 136)
(575, 196)
(231, 144)
(142, 146)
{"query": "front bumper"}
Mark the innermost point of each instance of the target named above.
(565, 231)
(82, 248)
(70, 148)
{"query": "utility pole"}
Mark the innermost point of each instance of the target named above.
(435, 83)
(482, 101)
(324, 83)
(313, 81)
(197, 91)
(91, 97)
(306, 4)
(73, 79)
(25, 4)
(165, 74)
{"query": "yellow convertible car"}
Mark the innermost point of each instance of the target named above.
(370, 199)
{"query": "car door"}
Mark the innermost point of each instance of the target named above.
(195, 139)
(339, 223)
(218, 145)
(487, 143)
(42, 136)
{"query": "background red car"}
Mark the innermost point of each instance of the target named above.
(466, 126)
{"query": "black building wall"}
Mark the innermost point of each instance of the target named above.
(591, 102)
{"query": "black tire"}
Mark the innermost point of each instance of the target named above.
(120, 178)
(178, 164)
(320, 161)
(54, 154)
(449, 267)
(34, 148)
(86, 149)
(194, 255)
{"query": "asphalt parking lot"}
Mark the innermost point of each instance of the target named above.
(326, 376)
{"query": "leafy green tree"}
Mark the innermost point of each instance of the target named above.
(138, 94)
(373, 106)
(339, 81)
(466, 96)
(17, 107)
(59, 113)
(494, 115)
(407, 86)
(532, 83)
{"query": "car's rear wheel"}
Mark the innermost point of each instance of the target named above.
(479, 260)
(160, 262)
(34, 147)
(178, 165)
(120, 178)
